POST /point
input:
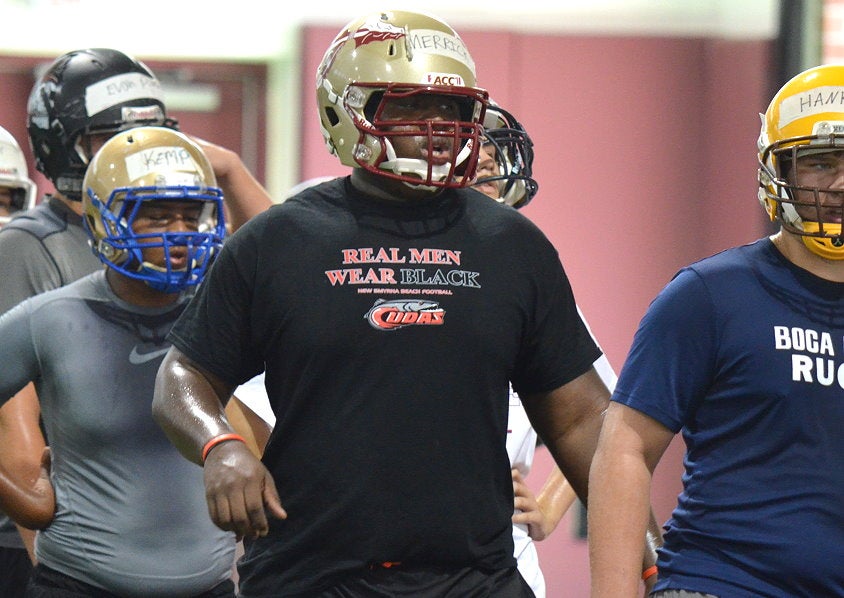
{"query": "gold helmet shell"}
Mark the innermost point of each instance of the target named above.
(143, 165)
(392, 54)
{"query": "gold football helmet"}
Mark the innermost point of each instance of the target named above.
(14, 175)
(385, 57)
(152, 164)
(805, 116)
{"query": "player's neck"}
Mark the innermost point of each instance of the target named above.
(385, 188)
(137, 292)
(794, 250)
(73, 206)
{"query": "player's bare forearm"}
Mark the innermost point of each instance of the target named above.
(26, 493)
(189, 404)
(31, 503)
(617, 515)
(653, 541)
(245, 197)
(569, 420)
(255, 431)
(28, 537)
(555, 498)
(623, 534)
(542, 512)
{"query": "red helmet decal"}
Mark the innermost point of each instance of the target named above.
(365, 35)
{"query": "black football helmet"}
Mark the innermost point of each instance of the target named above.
(514, 155)
(90, 91)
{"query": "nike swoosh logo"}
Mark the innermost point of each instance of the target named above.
(136, 358)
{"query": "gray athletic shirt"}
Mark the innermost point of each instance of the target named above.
(41, 249)
(131, 513)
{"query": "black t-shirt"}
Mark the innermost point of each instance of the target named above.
(389, 333)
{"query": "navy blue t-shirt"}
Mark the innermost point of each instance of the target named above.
(744, 352)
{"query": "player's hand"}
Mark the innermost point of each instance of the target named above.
(524, 500)
(33, 505)
(240, 491)
(43, 482)
(44, 487)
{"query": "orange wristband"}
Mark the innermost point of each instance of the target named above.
(649, 572)
(218, 440)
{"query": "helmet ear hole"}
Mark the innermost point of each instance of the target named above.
(331, 116)
(372, 104)
(57, 129)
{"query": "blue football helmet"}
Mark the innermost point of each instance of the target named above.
(133, 171)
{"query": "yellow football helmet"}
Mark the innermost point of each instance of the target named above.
(805, 116)
(151, 164)
(387, 56)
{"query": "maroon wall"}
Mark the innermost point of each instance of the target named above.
(645, 156)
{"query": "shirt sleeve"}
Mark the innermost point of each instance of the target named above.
(17, 352)
(672, 359)
(26, 268)
(557, 347)
(215, 330)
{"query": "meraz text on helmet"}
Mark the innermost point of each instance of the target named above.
(435, 42)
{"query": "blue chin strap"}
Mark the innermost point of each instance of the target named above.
(122, 249)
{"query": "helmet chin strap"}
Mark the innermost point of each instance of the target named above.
(831, 248)
(791, 217)
(405, 166)
(419, 167)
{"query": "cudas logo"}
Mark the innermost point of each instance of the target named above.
(398, 313)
